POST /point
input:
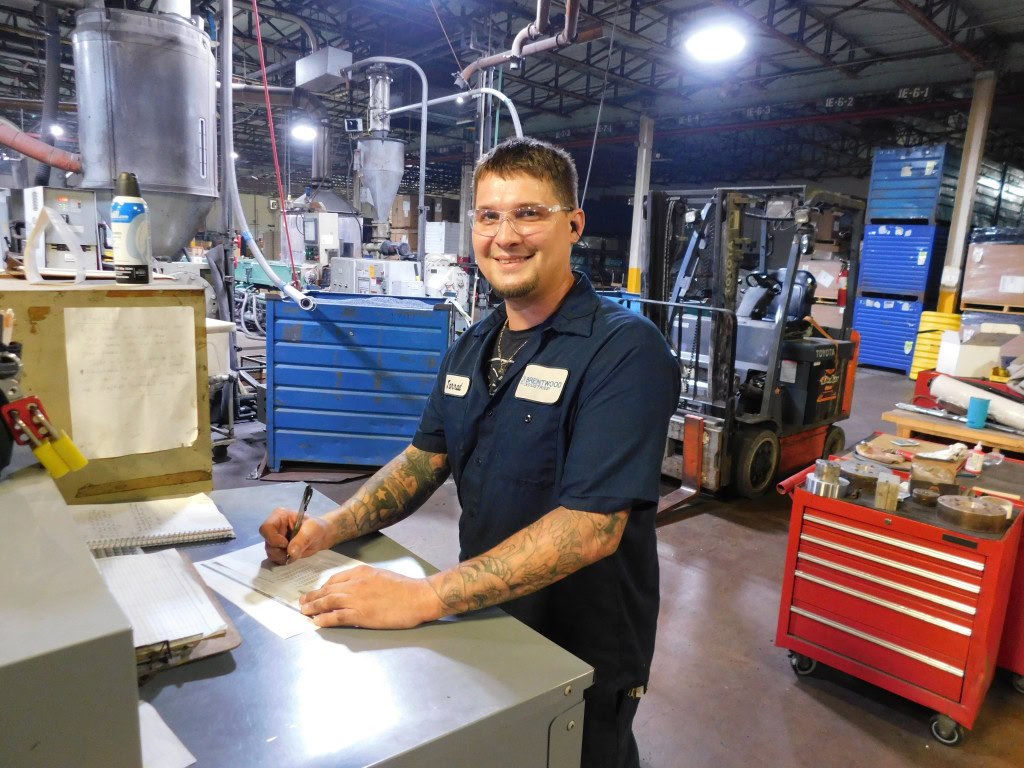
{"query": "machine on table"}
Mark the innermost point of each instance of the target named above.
(904, 600)
(761, 386)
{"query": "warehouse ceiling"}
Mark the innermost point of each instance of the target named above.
(819, 85)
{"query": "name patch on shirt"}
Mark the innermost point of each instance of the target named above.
(541, 384)
(456, 386)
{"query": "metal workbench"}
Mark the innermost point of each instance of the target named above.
(482, 689)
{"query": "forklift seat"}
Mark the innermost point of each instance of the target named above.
(800, 300)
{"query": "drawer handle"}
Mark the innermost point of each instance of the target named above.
(966, 586)
(937, 554)
(962, 607)
(951, 626)
(879, 641)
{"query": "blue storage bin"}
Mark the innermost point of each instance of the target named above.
(903, 260)
(912, 185)
(888, 330)
(348, 381)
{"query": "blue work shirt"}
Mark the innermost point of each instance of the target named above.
(579, 420)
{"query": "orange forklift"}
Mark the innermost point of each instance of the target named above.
(763, 383)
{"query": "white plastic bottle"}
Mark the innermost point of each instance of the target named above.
(129, 218)
(976, 459)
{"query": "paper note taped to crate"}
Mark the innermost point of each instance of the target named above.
(131, 379)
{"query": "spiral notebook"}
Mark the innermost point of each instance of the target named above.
(151, 523)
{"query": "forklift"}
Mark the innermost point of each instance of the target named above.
(762, 383)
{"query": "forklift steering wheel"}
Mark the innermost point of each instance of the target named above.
(764, 281)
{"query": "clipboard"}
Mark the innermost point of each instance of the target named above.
(151, 659)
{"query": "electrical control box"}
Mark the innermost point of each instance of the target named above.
(376, 277)
(79, 210)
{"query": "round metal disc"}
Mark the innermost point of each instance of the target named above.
(861, 474)
(972, 514)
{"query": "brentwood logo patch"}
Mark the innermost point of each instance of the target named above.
(541, 384)
(456, 386)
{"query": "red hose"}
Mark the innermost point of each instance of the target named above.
(39, 150)
(273, 141)
(790, 484)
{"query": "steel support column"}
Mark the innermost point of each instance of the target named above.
(970, 165)
(638, 247)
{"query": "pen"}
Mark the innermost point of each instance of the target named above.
(306, 496)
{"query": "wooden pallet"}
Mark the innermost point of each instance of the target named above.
(979, 306)
(909, 424)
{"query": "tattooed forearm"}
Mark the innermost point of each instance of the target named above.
(560, 543)
(393, 493)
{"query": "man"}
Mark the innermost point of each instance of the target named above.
(551, 414)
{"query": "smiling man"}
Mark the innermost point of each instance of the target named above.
(551, 415)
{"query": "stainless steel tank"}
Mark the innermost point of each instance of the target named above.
(382, 165)
(146, 90)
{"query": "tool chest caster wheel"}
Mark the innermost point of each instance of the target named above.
(946, 730)
(1018, 683)
(802, 665)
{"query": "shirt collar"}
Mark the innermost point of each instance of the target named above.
(575, 315)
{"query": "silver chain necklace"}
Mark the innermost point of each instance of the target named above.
(499, 363)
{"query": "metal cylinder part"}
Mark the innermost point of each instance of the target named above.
(827, 471)
(830, 490)
(146, 92)
(974, 514)
(380, 98)
(862, 475)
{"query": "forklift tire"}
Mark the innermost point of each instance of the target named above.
(835, 442)
(757, 462)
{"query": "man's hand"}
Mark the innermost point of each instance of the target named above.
(373, 598)
(314, 535)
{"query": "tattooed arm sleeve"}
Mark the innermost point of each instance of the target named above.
(560, 543)
(392, 494)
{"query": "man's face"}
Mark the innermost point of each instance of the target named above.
(515, 265)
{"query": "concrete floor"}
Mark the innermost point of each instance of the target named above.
(721, 693)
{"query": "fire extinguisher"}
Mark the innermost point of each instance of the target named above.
(844, 275)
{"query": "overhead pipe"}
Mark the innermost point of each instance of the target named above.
(534, 29)
(38, 150)
(300, 22)
(305, 301)
(468, 94)
(561, 40)
(422, 220)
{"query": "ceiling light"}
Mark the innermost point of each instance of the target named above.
(56, 130)
(460, 99)
(716, 43)
(234, 155)
(303, 132)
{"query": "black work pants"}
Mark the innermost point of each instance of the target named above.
(608, 729)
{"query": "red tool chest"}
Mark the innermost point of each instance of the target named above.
(898, 599)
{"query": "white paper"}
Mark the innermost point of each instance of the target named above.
(825, 279)
(160, 747)
(922, 257)
(787, 372)
(131, 379)
(1011, 284)
(239, 574)
(160, 597)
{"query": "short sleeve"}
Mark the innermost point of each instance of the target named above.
(430, 433)
(617, 444)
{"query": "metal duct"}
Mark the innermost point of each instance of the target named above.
(382, 164)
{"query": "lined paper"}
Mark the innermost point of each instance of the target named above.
(149, 523)
(160, 597)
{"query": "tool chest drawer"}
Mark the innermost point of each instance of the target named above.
(897, 598)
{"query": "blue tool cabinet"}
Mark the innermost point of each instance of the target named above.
(903, 260)
(915, 184)
(347, 382)
(888, 330)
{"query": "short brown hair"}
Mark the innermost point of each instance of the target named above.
(534, 158)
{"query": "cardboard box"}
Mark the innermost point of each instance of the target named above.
(828, 315)
(406, 235)
(405, 212)
(825, 223)
(975, 356)
(443, 209)
(994, 274)
(826, 273)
